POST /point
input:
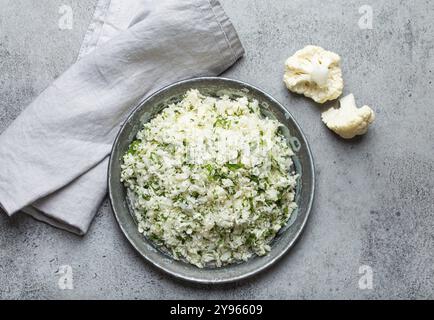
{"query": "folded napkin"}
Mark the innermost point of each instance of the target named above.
(54, 156)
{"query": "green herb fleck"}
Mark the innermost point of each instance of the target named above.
(133, 147)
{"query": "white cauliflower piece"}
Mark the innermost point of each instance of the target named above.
(348, 121)
(314, 72)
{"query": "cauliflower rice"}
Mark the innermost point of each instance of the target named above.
(210, 180)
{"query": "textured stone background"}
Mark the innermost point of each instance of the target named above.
(374, 201)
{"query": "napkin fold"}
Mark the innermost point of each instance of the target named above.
(54, 156)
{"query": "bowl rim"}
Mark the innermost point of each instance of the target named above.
(270, 262)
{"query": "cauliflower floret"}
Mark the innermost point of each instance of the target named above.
(348, 121)
(314, 72)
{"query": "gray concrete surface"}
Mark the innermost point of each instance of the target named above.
(374, 201)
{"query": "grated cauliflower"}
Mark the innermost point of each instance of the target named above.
(348, 121)
(210, 180)
(314, 72)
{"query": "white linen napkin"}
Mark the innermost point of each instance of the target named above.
(54, 156)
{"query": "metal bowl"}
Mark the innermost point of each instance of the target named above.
(303, 164)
